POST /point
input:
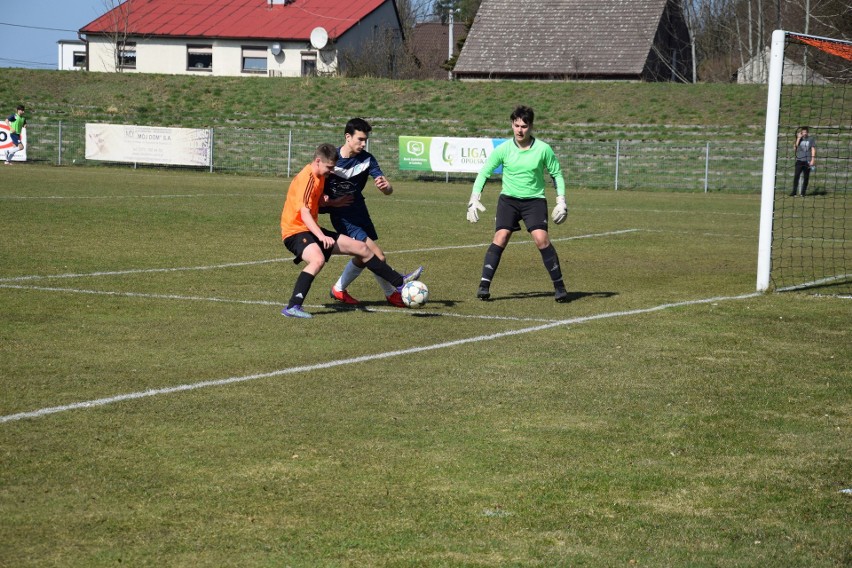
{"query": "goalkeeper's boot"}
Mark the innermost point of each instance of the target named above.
(342, 296)
(484, 292)
(561, 295)
(395, 300)
(296, 312)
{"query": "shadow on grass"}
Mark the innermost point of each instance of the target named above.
(572, 296)
(365, 306)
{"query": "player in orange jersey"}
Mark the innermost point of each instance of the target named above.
(311, 243)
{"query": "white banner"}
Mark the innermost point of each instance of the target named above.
(6, 143)
(148, 144)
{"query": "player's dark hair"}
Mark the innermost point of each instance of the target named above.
(21, 107)
(326, 151)
(357, 124)
(525, 113)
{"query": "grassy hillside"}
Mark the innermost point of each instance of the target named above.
(588, 110)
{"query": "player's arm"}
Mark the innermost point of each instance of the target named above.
(551, 163)
(491, 163)
(382, 182)
(560, 211)
(384, 185)
(813, 153)
(314, 228)
(342, 201)
(474, 205)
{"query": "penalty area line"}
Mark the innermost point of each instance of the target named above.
(355, 360)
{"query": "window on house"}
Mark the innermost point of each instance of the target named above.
(199, 57)
(254, 59)
(78, 59)
(126, 53)
(309, 63)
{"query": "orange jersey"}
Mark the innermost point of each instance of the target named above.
(305, 191)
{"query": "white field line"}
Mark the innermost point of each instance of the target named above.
(256, 302)
(354, 360)
(820, 282)
(151, 196)
(141, 270)
(255, 262)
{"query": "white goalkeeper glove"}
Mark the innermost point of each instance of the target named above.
(474, 207)
(560, 212)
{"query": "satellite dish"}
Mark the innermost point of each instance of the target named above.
(276, 48)
(319, 37)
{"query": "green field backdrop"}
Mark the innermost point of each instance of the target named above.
(157, 410)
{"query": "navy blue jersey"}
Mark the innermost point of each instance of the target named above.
(350, 177)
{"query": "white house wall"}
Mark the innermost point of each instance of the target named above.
(169, 56)
(66, 50)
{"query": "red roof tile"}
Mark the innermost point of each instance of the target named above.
(235, 19)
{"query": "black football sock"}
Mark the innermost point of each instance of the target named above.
(381, 268)
(551, 263)
(489, 266)
(301, 289)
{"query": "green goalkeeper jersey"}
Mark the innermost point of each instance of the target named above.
(523, 170)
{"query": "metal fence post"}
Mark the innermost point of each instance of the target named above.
(210, 155)
(289, 150)
(617, 155)
(59, 154)
(706, 165)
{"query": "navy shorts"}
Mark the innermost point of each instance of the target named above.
(300, 241)
(16, 138)
(359, 227)
(511, 210)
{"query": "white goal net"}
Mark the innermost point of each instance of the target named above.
(806, 212)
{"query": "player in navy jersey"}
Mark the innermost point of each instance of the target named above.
(344, 202)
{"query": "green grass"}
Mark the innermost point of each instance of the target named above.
(596, 111)
(708, 434)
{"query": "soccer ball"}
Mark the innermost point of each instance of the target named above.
(415, 294)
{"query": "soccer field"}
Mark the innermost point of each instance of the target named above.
(158, 410)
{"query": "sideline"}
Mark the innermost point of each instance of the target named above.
(355, 360)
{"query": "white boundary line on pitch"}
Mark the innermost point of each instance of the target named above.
(272, 260)
(150, 196)
(259, 302)
(355, 360)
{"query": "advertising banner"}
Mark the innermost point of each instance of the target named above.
(148, 144)
(440, 154)
(6, 144)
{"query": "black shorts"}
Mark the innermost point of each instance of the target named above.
(511, 210)
(300, 241)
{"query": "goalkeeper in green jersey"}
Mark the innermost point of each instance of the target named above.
(525, 159)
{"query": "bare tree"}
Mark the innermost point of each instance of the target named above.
(118, 31)
(727, 33)
(384, 55)
(463, 10)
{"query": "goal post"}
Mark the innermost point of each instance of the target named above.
(770, 159)
(805, 207)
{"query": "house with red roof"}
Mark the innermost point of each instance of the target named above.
(289, 38)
